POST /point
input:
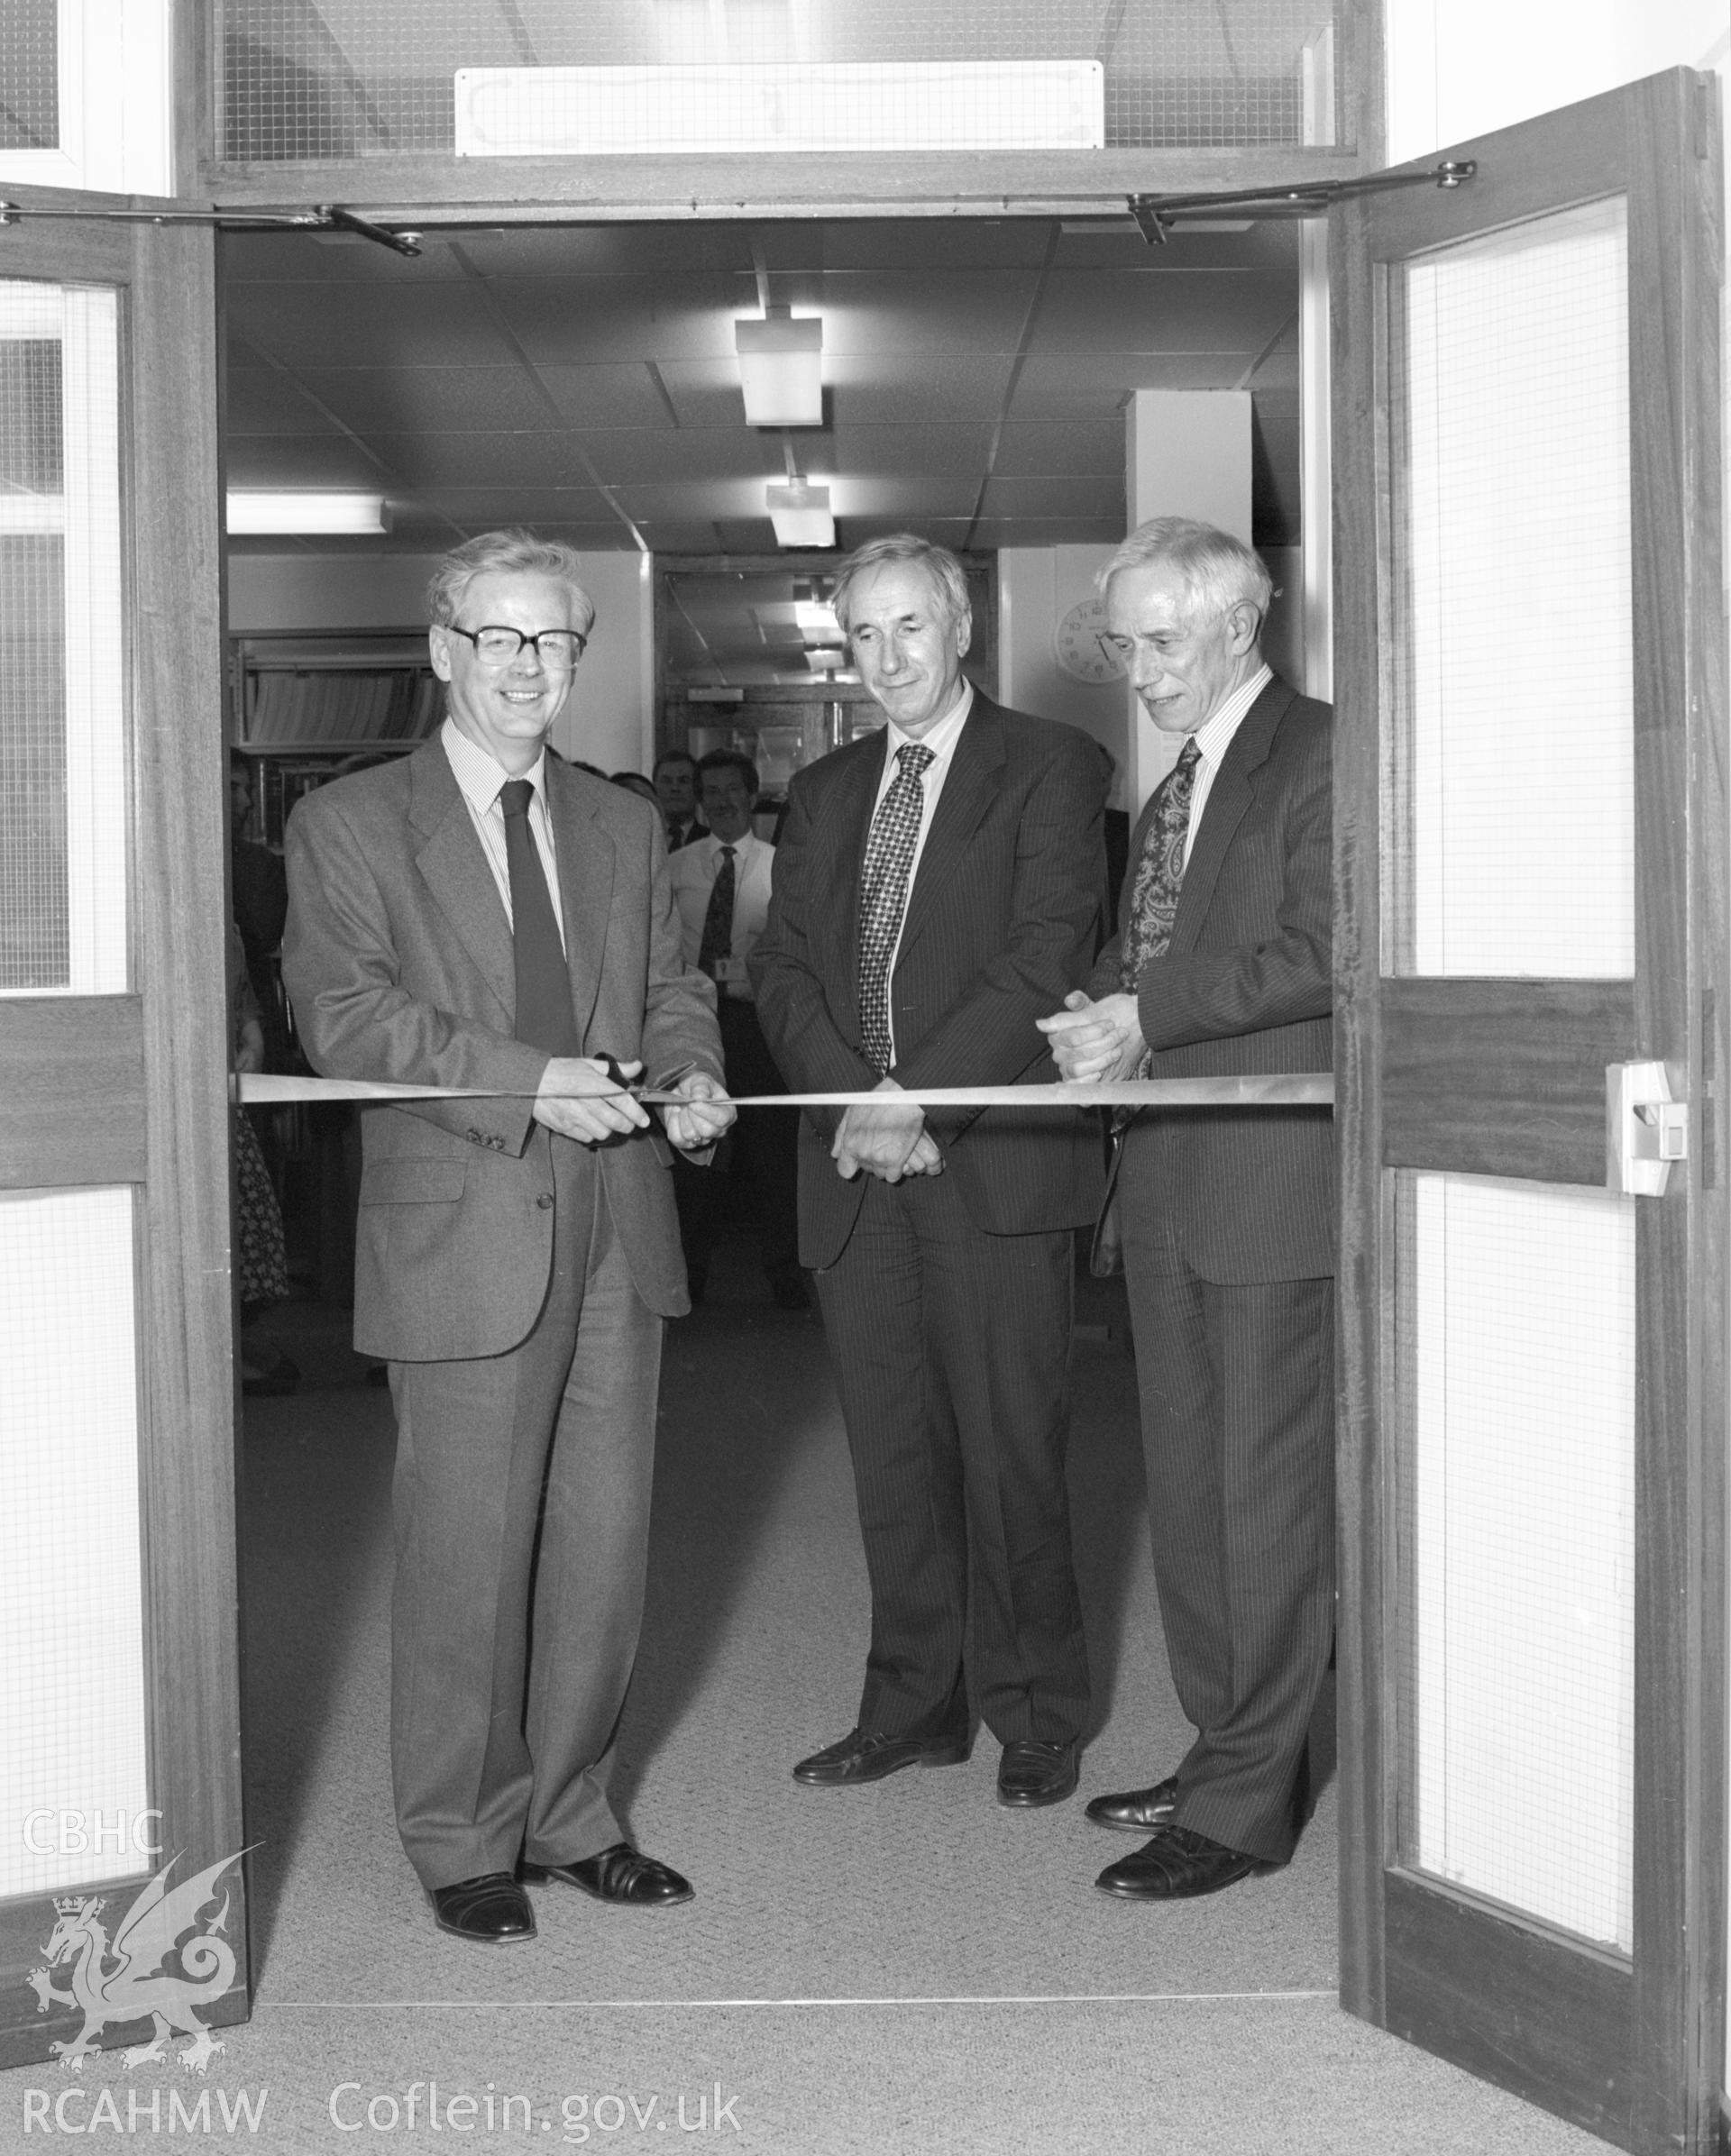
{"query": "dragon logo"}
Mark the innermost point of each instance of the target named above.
(126, 1980)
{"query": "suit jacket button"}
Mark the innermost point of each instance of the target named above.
(544, 1200)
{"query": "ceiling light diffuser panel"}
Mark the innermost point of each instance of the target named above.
(781, 370)
(251, 515)
(801, 514)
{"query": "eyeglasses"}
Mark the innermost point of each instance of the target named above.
(558, 650)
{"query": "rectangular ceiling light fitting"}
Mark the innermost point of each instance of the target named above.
(799, 513)
(253, 514)
(780, 368)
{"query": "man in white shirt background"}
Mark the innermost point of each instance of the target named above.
(721, 883)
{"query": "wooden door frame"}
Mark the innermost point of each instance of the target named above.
(1668, 2021)
(176, 1026)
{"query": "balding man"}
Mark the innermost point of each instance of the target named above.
(937, 886)
(1222, 967)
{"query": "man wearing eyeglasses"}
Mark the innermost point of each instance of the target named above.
(482, 915)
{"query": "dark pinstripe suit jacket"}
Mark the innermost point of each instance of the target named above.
(1000, 922)
(1246, 988)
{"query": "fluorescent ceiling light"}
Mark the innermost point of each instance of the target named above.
(826, 662)
(816, 618)
(283, 513)
(781, 370)
(801, 514)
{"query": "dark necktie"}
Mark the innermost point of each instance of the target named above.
(718, 922)
(1159, 870)
(1159, 877)
(883, 895)
(545, 1017)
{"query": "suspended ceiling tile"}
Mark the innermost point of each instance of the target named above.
(618, 394)
(926, 311)
(394, 400)
(1100, 497)
(317, 461)
(523, 457)
(684, 535)
(703, 392)
(1095, 445)
(692, 499)
(482, 508)
(1097, 311)
(589, 319)
(262, 401)
(334, 257)
(945, 386)
(369, 326)
(696, 248)
(624, 455)
(1081, 387)
(885, 450)
(916, 495)
(930, 243)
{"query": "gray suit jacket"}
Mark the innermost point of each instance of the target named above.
(398, 957)
(1247, 987)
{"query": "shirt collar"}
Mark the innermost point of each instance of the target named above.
(940, 739)
(480, 775)
(1214, 734)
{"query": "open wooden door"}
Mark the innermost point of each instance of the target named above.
(119, 1718)
(1532, 858)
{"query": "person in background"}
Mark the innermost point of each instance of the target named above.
(1222, 967)
(938, 886)
(635, 783)
(260, 1262)
(676, 791)
(721, 885)
(260, 885)
(480, 914)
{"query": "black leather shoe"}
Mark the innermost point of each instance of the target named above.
(619, 1874)
(1177, 1865)
(1136, 1811)
(1034, 1771)
(492, 1910)
(868, 1755)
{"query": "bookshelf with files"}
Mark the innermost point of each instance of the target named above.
(306, 707)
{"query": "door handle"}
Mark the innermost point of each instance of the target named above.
(1645, 1130)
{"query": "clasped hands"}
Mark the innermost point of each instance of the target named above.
(1089, 1040)
(1095, 1040)
(889, 1142)
(581, 1098)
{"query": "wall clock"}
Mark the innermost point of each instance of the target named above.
(1077, 646)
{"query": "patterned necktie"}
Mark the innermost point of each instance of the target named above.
(545, 1017)
(718, 922)
(1159, 870)
(883, 895)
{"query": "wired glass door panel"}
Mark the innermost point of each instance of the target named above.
(1530, 835)
(118, 1677)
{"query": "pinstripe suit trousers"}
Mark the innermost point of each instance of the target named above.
(1238, 1434)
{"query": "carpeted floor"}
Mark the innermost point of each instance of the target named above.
(902, 1968)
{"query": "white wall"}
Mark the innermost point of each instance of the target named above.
(609, 719)
(1036, 586)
